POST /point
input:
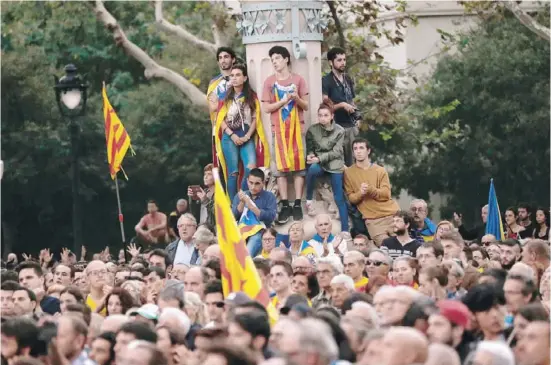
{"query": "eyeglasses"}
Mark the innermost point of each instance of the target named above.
(268, 239)
(97, 272)
(189, 225)
(414, 209)
(374, 263)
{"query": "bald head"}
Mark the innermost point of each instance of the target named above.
(212, 252)
(440, 354)
(404, 346)
(96, 273)
(113, 323)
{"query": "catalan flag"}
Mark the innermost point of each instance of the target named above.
(116, 137)
(238, 271)
(261, 143)
(288, 144)
(249, 224)
(494, 224)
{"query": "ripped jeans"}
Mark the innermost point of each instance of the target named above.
(233, 154)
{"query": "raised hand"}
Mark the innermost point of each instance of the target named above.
(133, 250)
(27, 257)
(83, 253)
(46, 256)
(65, 259)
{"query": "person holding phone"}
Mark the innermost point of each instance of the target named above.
(240, 140)
(205, 196)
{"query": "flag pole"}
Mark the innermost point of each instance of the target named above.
(121, 217)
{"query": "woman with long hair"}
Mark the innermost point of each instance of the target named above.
(513, 228)
(541, 230)
(405, 271)
(239, 136)
(324, 143)
(119, 301)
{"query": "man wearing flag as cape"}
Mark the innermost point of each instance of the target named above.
(285, 98)
(218, 87)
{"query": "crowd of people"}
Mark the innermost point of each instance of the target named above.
(391, 287)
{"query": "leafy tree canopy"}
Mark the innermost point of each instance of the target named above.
(500, 76)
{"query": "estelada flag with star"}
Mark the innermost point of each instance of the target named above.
(116, 137)
(239, 273)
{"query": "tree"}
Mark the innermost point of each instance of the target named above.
(533, 23)
(167, 131)
(500, 75)
(152, 68)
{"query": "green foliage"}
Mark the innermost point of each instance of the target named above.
(498, 127)
(168, 134)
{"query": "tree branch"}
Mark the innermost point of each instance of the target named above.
(152, 68)
(168, 27)
(527, 20)
(338, 24)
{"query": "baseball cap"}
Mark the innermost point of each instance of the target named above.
(149, 311)
(238, 298)
(455, 312)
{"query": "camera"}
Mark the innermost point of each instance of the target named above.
(356, 117)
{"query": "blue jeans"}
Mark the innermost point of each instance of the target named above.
(233, 154)
(254, 244)
(315, 171)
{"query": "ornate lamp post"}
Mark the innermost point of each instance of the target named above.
(71, 95)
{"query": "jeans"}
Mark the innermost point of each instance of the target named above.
(315, 171)
(254, 244)
(233, 154)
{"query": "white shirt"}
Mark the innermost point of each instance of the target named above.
(318, 246)
(183, 253)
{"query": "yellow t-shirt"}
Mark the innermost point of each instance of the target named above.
(90, 303)
(360, 284)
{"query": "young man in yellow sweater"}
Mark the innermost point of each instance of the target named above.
(368, 188)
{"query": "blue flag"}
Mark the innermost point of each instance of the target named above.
(494, 224)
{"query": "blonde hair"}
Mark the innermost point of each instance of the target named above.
(193, 300)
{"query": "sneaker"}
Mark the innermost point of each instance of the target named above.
(297, 213)
(284, 214)
(310, 210)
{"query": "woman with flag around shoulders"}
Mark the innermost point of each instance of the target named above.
(239, 134)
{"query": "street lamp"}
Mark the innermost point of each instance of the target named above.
(71, 95)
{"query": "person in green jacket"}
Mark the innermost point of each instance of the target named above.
(324, 143)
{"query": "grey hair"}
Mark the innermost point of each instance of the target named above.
(174, 291)
(316, 336)
(521, 269)
(335, 263)
(177, 318)
(344, 279)
(389, 260)
(500, 352)
(361, 326)
(454, 268)
(418, 201)
(372, 318)
(188, 216)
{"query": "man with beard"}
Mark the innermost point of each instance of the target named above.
(524, 219)
(338, 87)
(476, 232)
(510, 253)
(448, 326)
(367, 186)
(401, 244)
(71, 339)
(423, 228)
(218, 87)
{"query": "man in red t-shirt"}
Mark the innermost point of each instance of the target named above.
(152, 227)
(285, 98)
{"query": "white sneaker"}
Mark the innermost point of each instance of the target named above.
(310, 210)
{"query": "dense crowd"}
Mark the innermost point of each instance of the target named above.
(385, 287)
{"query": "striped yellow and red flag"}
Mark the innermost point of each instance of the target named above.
(116, 137)
(239, 273)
